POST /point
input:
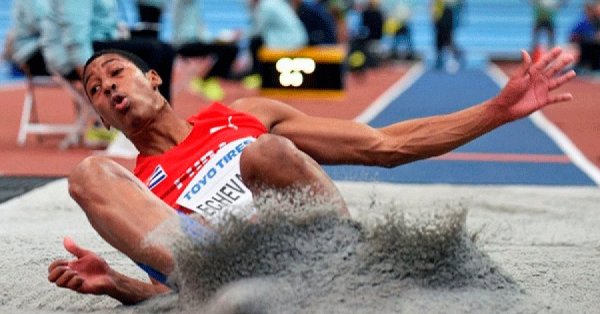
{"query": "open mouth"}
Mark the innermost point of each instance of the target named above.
(120, 102)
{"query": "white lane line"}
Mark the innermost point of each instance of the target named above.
(383, 101)
(559, 138)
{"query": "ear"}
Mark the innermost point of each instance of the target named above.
(154, 79)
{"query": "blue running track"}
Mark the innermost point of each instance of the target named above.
(437, 92)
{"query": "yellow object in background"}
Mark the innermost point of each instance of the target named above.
(209, 88)
(391, 26)
(356, 59)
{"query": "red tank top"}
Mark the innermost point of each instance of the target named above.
(218, 137)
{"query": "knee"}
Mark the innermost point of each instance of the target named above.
(86, 175)
(267, 152)
(267, 149)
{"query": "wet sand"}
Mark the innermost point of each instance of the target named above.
(410, 248)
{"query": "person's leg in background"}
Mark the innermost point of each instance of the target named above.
(403, 36)
(550, 34)
(223, 55)
(441, 39)
(594, 56)
(149, 21)
(35, 65)
(253, 79)
(226, 54)
(535, 36)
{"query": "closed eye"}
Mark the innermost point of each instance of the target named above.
(116, 71)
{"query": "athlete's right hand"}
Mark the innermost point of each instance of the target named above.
(87, 273)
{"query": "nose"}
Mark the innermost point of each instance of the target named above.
(109, 88)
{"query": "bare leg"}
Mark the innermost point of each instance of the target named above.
(274, 162)
(121, 209)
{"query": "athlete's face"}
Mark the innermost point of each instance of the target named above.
(124, 96)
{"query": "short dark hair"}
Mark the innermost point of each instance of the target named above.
(137, 61)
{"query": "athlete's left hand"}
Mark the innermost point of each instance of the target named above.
(529, 88)
(87, 273)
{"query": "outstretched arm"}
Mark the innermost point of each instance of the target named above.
(333, 141)
(89, 273)
(528, 90)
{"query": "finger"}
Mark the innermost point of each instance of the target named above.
(55, 274)
(525, 64)
(75, 283)
(65, 278)
(56, 263)
(560, 98)
(559, 65)
(74, 248)
(547, 59)
(561, 80)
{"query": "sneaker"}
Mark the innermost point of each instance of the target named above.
(98, 137)
(357, 60)
(210, 88)
(253, 81)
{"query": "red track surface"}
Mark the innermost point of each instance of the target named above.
(579, 120)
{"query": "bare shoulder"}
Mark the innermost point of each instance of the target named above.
(268, 111)
(248, 104)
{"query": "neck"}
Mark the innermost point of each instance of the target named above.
(163, 133)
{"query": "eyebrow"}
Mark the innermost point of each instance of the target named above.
(86, 79)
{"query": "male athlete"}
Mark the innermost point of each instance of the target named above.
(231, 155)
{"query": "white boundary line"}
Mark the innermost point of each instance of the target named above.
(563, 142)
(383, 101)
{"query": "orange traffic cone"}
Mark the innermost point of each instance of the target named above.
(537, 53)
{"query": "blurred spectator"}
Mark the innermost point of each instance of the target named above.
(372, 21)
(586, 34)
(338, 9)
(458, 11)
(366, 31)
(397, 27)
(27, 32)
(318, 21)
(24, 40)
(191, 40)
(443, 14)
(544, 16)
(7, 53)
(74, 29)
(274, 25)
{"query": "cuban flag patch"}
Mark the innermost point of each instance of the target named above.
(158, 175)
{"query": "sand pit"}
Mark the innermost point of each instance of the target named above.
(448, 249)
